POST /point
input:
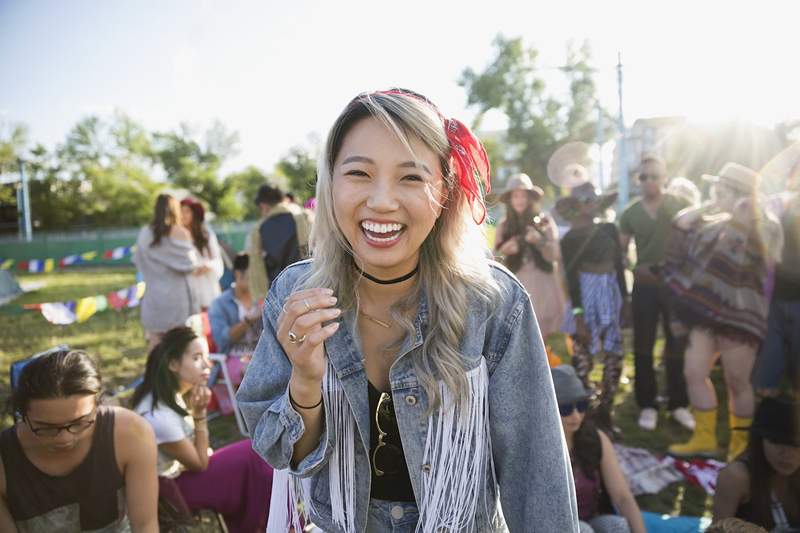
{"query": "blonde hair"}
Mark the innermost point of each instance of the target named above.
(453, 263)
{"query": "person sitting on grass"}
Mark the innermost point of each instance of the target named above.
(234, 481)
(235, 315)
(594, 463)
(763, 484)
(69, 463)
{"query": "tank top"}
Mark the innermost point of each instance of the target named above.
(395, 484)
(90, 498)
(587, 492)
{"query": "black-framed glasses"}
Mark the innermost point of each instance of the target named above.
(651, 177)
(390, 455)
(567, 408)
(75, 428)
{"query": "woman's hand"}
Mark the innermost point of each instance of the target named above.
(202, 269)
(510, 247)
(533, 236)
(301, 333)
(198, 399)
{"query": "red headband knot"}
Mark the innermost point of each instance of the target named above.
(468, 158)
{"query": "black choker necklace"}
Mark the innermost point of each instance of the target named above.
(388, 281)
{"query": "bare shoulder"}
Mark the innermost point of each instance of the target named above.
(132, 434)
(735, 472)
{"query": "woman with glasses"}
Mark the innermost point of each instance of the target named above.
(595, 468)
(70, 464)
(233, 480)
(401, 382)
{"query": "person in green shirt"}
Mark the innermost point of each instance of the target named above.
(648, 220)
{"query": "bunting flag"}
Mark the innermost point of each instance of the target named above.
(81, 310)
(36, 266)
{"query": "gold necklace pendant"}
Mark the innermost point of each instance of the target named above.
(386, 325)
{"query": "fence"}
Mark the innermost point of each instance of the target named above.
(52, 245)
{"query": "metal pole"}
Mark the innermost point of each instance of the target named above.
(599, 140)
(26, 203)
(623, 160)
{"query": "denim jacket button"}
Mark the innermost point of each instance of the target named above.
(411, 400)
(397, 512)
(426, 468)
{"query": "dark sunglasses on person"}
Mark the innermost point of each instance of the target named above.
(390, 455)
(75, 428)
(567, 408)
(651, 177)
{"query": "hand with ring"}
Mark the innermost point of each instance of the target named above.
(301, 333)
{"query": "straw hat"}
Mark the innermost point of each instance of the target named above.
(519, 182)
(737, 176)
(585, 193)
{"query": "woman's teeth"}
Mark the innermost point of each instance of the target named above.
(381, 232)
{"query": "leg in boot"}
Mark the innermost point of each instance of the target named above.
(737, 442)
(583, 362)
(704, 438)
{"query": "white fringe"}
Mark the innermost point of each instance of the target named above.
(291, 501)
(458, 450)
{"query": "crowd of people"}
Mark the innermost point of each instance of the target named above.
(399, 380)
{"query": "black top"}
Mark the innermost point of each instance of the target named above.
(395, 484)
(787, 275)
(597, 243)
(89, 494)
(279, 242)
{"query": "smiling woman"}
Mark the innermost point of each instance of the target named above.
(71, 464)
(401, 382)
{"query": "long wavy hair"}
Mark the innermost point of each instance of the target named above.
(587, 449)
(454, 266)
(166, 214)
(197, 227)
(514, 227)
(159, 380)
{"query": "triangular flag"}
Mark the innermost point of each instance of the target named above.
(8, 263)
(116, 299)
(70, 260)
(85, 308)
(140, 290)
(49, 265)
(35, 265)
(107, 254)
(101, 303)
(119, 252)
(60, 313)
(88, 256)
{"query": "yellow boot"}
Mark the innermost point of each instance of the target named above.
(704, 438)
(738, 435)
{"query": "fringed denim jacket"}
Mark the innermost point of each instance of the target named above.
(497, 462)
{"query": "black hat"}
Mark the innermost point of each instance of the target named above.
(777, 421)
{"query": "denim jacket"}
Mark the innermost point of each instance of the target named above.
(531, 462)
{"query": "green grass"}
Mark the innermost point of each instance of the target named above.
(117, 340)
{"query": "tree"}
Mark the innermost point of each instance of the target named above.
(246, 184)
(299, 167)
(538, 122)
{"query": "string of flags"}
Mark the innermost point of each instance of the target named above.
(37, 266)
(82, 309)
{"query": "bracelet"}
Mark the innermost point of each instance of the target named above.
(295, 404)
(577, 311)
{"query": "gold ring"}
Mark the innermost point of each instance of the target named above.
(285, 311)
(294, 339)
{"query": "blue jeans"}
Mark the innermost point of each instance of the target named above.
(780, 351)
(392, 517)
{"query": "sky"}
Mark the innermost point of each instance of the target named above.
(278, 73)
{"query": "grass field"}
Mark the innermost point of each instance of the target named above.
(116, 338)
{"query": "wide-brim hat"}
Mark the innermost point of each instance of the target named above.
(585, 193)
(517, 182)
(737, 176)
(777, 421)
(569, 388)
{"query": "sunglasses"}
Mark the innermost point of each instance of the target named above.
(651, 177)
(386, 454)
(567, 408)
(75, 428)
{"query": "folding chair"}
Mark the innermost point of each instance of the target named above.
(221, 361)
